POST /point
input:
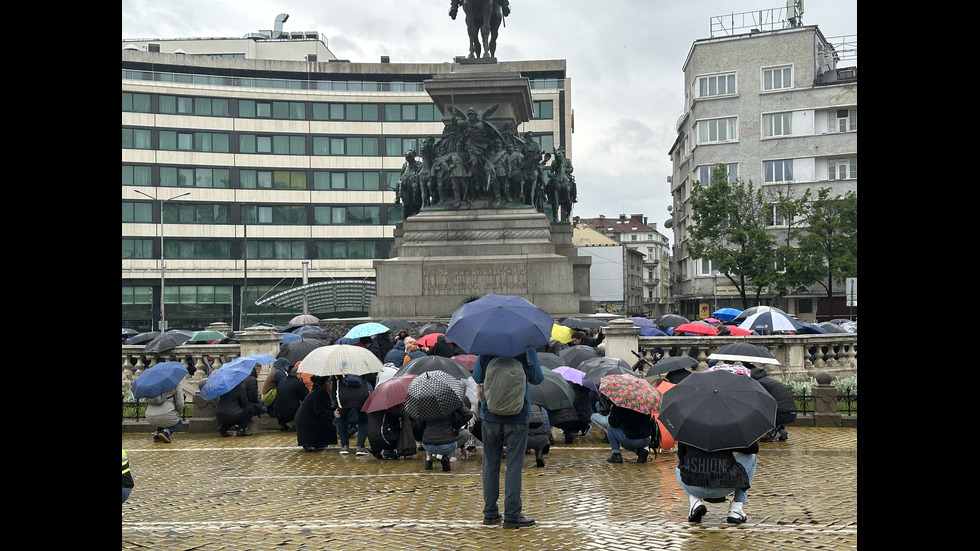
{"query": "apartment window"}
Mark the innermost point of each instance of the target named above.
(171, 140)
(272, 179)
(716, 85)
(277, 249)
(717, 130)
(546, 141)
(196, 213)
(207, 249)
(179, 105)
(775, 217)
(286, 110)
(777, 78)
(347, 215)
(171, 176)
(141, 212)
(137, 248)
(778, 171)
(708, 267)
(396, 147)
(135, 103)
(346, 112)
(355, 248)
(352, 146)
(135, 138)
(286, 215)
(843, 120)
(543, 109)
(777, 124)
(705, 173)
(842, 169)
(276, 145)
(355, 181)
(136, 175)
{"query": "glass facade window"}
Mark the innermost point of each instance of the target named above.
(136, 103)
(347, 215)
(137, 248)
(353, 180)
(141, 212)
(543, 109)
(294, 215)
(172, 176)
(356, 248)
(135, 138)
(137, 175)
(277, 249)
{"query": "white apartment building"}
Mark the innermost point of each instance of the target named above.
(777, 105)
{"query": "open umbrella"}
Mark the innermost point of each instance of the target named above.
(433, 327)
(299, 349)
(631, 392)
(602, 361)
(770, 321)
(651, 332)
(726, 314)
(642, 322)
(755, 310)
(390, 393)
(168, 340)
(340, 359)
(289, 337)
(810, 328)
(206, 336)
(737, 331)
(718, 410)
(468, 360)
(158, 379)
(549, 360)
(397, 324)
(696, 329)
(576, 376)
(368, 329)
(311, 332)
(582, 324)
(305, 319)
(428, 339)
(672, 363)
(553, 392)
(829, 327)
(227, 377)
(561, 333)
(671, 320)
(421, 365)
(144, 338)
(432, 395)
(598, 374)
(743, 352)
(499, 325)
(127, 332)
(576, 354)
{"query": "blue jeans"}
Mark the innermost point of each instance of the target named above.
(748, 460)
(495, 437)
(601, 421)
(448, 450)
(126, 492)
(172, 429)
(343, 426)
(618, 438)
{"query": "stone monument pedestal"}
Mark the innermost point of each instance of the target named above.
(446, 257)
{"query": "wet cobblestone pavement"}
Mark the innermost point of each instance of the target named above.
(262, 492)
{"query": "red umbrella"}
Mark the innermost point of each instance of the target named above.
(429, 339)
(696, 328)
(738, 331)
(392, 392)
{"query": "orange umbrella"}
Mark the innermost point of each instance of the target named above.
(666, 440)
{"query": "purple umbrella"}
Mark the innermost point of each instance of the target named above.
(576, 376)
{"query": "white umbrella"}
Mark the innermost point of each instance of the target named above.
(340, 359)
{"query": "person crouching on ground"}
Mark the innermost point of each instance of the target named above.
(439, 436)
(629, 429)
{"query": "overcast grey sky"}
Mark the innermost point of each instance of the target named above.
(625, 59)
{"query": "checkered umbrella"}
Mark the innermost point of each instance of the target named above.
(432, 395)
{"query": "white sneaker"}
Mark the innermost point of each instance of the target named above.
(362, 451)
(698, 509)
(735, 514)
(344, 450)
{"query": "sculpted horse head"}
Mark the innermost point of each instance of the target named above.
(483, 19)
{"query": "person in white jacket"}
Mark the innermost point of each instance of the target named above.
(164, 412)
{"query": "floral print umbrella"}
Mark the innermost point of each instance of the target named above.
(631, 392)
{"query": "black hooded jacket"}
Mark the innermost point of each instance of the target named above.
(785, 405)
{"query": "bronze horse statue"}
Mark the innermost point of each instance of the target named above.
(483, 19)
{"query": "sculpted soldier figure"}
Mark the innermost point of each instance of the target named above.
(407, 192)
(480, 134)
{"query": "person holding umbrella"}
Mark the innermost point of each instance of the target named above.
(234, 409)
(164, 411)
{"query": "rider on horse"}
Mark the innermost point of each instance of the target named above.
(455, 4)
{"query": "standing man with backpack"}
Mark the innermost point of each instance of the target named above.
(505, 409)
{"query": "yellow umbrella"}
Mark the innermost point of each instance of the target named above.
(562, 333)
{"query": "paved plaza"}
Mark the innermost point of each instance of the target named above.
(263, 492)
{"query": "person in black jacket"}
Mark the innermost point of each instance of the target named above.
(314, 419)
(290, 393)
(785, 404)
(440, 437)
(234, 409)
(712, 476)
(629, 429)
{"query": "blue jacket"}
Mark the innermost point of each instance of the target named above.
(534, 376)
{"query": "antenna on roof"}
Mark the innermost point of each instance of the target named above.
(794, 12)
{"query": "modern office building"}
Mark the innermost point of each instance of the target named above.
(258, 172)
(651, 295)
(775, 102)
(615, 274)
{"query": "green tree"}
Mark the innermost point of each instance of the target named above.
(827, 250)
(788, 213)
(730, 230)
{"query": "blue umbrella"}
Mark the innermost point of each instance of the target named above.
(726, 314)
(230, 374)
(290, 337)
(499, 325)
(651, 332)
(811, 328)
(158, 379)
(642, 322)
(369, 329)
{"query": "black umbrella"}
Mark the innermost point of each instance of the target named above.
(143, 338)
(298, 350)
(718, 410)
(596, 374)
(166, 341)
(829, 327)
(743, 352)
(433, 327)
(311, 332)
(671, 320)
(421, 365)
(580, 323)
(672, 363)
(397, 324)
(602, 361)
(574, 355)
(553, 392)
(549, 360)
(432, 395)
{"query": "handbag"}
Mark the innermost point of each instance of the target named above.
(269, 397)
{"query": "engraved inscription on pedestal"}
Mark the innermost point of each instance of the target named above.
(479, 280)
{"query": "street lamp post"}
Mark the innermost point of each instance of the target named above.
(163, 270)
